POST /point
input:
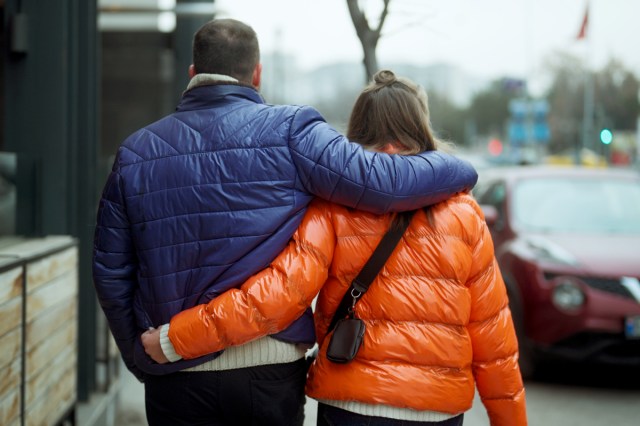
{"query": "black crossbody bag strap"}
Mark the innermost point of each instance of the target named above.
(378, 258)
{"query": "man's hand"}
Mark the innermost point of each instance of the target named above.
(151, 343)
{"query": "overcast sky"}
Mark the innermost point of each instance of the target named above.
(492, 38)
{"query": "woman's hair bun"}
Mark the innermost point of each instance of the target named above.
(384, 77)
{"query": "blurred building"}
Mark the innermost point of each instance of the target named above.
(77, 77)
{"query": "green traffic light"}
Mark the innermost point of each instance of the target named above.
(606, 136)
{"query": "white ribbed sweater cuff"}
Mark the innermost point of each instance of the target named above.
(263, 351)
(166, 345)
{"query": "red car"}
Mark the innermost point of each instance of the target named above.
(568, 244)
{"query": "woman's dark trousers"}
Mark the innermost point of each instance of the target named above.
(333, 416)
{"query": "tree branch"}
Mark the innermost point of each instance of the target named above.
(358, 18)
(383, 17)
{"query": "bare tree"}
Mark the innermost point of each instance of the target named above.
(368, 36)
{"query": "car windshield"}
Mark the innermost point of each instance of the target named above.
(593, 205)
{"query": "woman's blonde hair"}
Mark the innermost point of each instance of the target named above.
(392, 110)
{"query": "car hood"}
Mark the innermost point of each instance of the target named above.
(616, 255)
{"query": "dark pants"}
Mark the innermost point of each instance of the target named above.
(333, 416)
(265, 395)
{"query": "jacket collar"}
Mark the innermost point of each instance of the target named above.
(208, 79)
(206, 90)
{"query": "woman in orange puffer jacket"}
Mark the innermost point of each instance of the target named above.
(437, 317)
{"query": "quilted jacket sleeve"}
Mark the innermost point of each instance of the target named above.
(268, 301)
(333, 169)
(115, 267)
(495, 347)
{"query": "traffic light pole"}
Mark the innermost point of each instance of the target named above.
(587, 114)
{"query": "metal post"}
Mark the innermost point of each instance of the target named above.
(587, 109)
(587, 114)
(85, 88)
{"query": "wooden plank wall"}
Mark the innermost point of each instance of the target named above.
(51, 337)
(11, 289)
(38, 331)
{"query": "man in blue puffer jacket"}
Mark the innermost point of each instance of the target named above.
(203, 198)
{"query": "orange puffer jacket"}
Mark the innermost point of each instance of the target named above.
(437, 316)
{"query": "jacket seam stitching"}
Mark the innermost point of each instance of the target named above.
(198, 153)
(490, 317)
(175, 216)
(131, 196)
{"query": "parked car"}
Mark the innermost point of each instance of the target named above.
(567, 241)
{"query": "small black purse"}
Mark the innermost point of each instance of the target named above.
(345, 340)
(348, 331)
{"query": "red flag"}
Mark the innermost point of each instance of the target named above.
(585, 23)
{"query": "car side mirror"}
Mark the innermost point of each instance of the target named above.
(491, 214)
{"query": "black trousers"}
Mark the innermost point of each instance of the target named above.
(265, 395)
(333, 416)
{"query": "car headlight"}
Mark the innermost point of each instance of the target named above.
(567, 296)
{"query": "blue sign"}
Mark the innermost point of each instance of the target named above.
(528, 123)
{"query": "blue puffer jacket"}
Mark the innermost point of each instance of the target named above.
(204, 198)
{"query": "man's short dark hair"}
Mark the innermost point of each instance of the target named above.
(228, 47)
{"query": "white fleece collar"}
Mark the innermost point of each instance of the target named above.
(205, 79)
